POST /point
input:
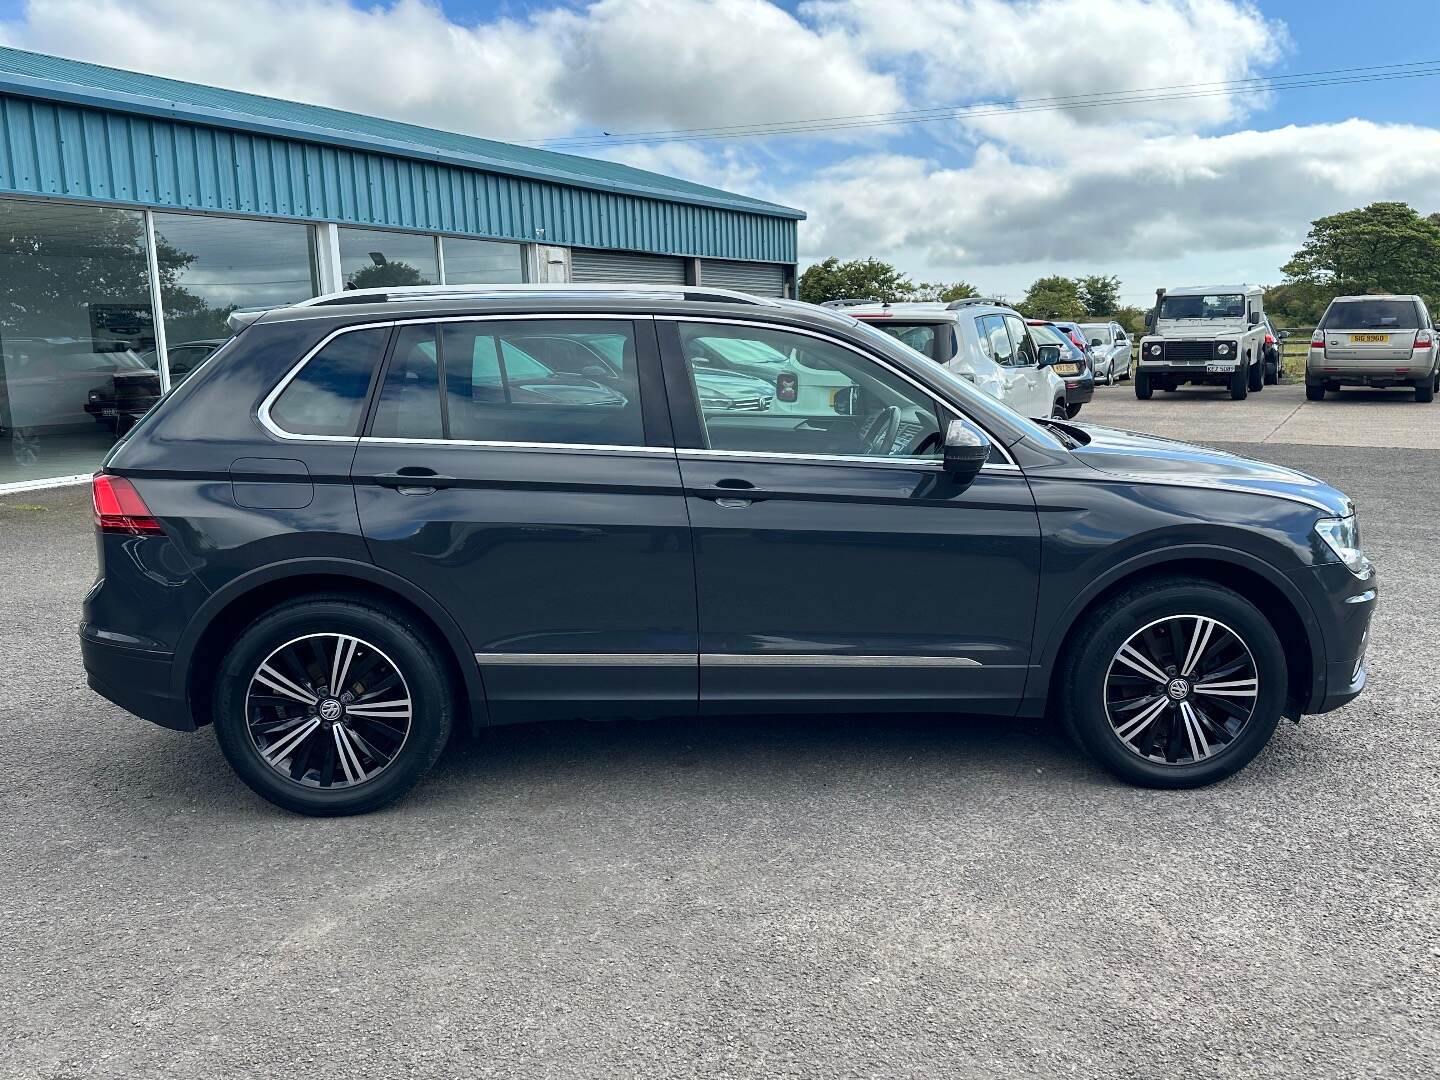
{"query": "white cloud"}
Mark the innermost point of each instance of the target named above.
(617, 64)
(971, 49)
(1168, 200)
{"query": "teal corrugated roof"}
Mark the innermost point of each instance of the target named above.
(52, 77)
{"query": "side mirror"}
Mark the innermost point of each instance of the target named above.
(1049, 355)
(1254, 318)
(967, 448)
(1149, 320)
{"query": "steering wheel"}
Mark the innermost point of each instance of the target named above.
(879, 435)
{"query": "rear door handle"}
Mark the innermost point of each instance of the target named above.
(415, 479)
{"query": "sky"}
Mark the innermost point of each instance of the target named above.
(1201, 189)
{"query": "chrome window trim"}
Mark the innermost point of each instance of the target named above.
(495, 444)
(828, 459)
(268, 423)
(787, 328)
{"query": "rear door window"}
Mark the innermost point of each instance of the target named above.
(1372, 315)
(995, 339)
(327, 396)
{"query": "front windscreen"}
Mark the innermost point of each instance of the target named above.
(1372, 315)
(1213, 306)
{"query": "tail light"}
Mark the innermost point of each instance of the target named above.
(119, 507)
(1424, 339)
(787, 386)
(1317, 340)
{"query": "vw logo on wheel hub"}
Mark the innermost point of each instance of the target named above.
(1178, 689)
(331, 709)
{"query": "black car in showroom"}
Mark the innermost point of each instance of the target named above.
(376, 516)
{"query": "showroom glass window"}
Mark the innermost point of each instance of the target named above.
(373, 258)
(482, 262)
(77, 336)
(209, 266)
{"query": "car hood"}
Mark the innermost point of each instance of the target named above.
(1128, 454)
(1195, 329)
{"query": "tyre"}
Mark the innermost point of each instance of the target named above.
(1142, 386)
(1272, 372)
(1425, 391)
(1239, 384)
(1072, 411)
(1110, 375)
(1058, 410)
(1175, 683)
(332, 706)
(1314, 391)
(1257, 377)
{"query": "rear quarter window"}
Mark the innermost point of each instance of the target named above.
(328, 394)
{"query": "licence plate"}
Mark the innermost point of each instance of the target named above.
(1369, 339)
(1219, 367)
(1067, 369)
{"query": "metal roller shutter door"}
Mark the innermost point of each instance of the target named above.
(625, 267)
(762, 279)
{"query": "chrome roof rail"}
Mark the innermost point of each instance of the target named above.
(402, 293)
(956, 305)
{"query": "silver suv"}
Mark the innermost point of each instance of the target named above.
(982, 341)
(1374, 341)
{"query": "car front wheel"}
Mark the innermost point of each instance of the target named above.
(1176, 683)
(331, 706)
(1143, 390)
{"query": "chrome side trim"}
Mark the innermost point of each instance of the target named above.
(387, 440)
(832, 660)
(586, 659)
(787, 328)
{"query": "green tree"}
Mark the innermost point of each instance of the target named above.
(1131, 318)
(1100, 293)
(1383, 247)
(866, 279)
(1053, 297)
(1298, 303)
(384, 275)
(959, 290)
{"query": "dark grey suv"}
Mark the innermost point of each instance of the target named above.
(375, 517)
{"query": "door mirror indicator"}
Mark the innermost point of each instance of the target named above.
(967, 448)
(1049, 355)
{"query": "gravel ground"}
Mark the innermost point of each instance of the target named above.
(768, 898)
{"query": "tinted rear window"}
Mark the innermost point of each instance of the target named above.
(328, 395)
(1372, 314)
(919, 336)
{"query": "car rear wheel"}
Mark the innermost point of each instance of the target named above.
(1314, 391)
(330, 706)
(1143, 390)
(1425, 391)
(1176, 683)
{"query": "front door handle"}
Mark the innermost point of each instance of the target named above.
(731, 493)
(415, 480)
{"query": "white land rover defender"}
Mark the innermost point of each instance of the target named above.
(1206, 335)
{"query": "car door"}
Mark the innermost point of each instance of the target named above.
(1040, 383)
(837, 564)
(1018, 386)
(541, 507)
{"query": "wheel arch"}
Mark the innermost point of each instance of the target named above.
(242, 600)
(1267, 588)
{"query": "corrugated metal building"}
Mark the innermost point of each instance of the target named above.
(137, 212)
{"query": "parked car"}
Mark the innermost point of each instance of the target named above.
(334, 556)
(1374, 341)
(187, 356)
(796, 386)
(1110, 346)
(982, 341)
(1273, 345)
(1206, 335)
(1074, 367)
(68, 384)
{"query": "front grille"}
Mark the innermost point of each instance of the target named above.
(754, 404)
(1188, 352)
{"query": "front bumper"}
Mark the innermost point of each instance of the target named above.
(138, 680)
(1343, 604)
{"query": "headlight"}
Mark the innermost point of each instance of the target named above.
(1155, 349)
(1342, 536)
(1222, 349)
